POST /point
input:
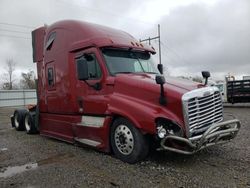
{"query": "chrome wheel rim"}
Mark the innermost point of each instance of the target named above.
(27, 123)
(16, 120)
(124, 139)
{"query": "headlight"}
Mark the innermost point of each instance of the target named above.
(161, 131)
(166, 127)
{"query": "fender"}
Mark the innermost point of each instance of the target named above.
(140, 113)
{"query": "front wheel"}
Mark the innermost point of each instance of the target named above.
(128, 143)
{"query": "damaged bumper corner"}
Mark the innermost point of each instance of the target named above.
(218, 133)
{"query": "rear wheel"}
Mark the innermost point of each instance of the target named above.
(128, 143)
(29, 122)
(19, 119)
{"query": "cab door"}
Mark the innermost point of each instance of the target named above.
(92, 93)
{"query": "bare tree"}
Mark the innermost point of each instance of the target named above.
(8, 77)
(28, 80)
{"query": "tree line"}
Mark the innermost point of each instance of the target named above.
(9, 81)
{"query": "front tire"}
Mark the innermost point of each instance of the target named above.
(127, 142)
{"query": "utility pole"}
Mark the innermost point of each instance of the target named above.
(149, 39)
(159, 41)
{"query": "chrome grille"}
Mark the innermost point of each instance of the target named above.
(202, 107)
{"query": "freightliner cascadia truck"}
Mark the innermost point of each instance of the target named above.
(99, 87)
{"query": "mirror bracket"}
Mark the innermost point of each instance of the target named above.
(161, 81)
(206, 75)
(160, 68)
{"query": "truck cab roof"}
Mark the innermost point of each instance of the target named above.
(75, 35)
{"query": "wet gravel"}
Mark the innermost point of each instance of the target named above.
(50, 163)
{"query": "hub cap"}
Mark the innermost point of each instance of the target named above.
(124, 139)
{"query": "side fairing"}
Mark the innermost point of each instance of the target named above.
(37, 44)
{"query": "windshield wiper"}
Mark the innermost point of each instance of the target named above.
(151, 72)
(125, 72)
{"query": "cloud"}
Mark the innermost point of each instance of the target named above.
(35, 13)
(215, 38)
(196, 34)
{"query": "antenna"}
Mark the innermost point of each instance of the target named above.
(155, 38)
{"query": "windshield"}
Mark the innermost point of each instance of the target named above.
(127, 61)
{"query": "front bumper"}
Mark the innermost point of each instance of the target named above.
(218, 133)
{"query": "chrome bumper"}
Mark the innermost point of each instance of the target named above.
(218, 133)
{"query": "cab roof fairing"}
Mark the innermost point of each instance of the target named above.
(106, 42)
(88, 34)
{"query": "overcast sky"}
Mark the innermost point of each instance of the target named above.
(196, 35)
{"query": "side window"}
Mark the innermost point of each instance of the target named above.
(50, 41)
(50, 77)
(94, 69)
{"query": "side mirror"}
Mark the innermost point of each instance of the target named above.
(206, 75)
(82, 69)
(160, 68)
(160, 79)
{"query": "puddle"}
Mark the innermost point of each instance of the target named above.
(3, 149)
(55, 159)
(11, 171)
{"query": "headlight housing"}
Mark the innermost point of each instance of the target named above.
(161, 132)
(166, 127)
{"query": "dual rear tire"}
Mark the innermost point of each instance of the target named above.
(29, 122)
(19, 119)
(24, 120)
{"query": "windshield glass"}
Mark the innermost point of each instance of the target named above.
(127, 61)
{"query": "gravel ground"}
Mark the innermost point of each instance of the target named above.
(43, 162)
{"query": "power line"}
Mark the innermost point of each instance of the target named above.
(167, 55)
(158, 37)
(17, 25)
(14, 31)
(174, 52)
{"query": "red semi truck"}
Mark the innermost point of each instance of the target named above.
(98, 86)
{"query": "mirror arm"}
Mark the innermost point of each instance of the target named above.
(162, 99)
(160, 68)
(206, 79)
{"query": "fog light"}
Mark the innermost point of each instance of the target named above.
(161, 132)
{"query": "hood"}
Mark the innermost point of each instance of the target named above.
(144, 82)
(182, 83)
(142, 89)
